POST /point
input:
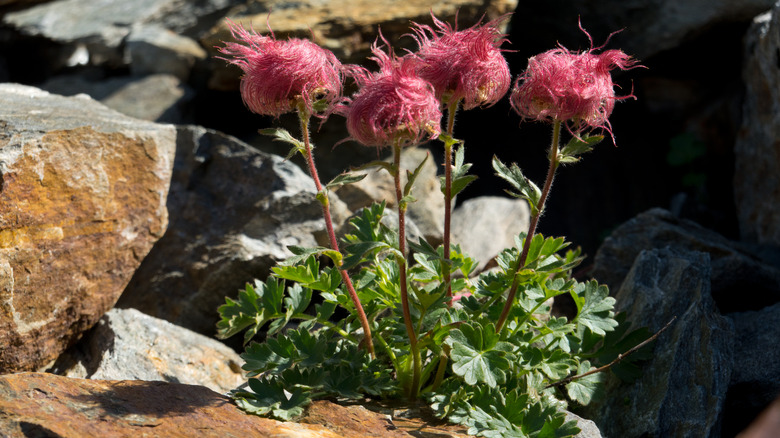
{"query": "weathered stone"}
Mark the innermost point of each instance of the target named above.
(152, 49)
(346, 28)
(233, 212)
(683, 386)
(100, 27)
(128, 345)
(427, 212)
(740, 278)
(757, 152)
(755, 380)
(159, 98)
(82, 200)
(588, 429)
(487, 225)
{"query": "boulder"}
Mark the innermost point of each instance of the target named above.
(82, 200)
(757, 151)
(486, 225)
(346, 28)
(683, 386)
(159, 97)
(128, 345)
(233, 212)
(744, 277)
(755, 379)
(153, 49)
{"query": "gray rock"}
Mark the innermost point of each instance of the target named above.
(160, 97)
(152, 49)
(487, 225)
(683, 387)
(234, 210)
(101, 26)
(743, 277)
(755, 380)
(128, 345)
(757, 151)
(588, 429)
(82, 200)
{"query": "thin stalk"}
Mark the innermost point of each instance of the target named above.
(303, 116)
(415, 351)
(554, 162)
(451, 110)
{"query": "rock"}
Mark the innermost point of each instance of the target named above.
(82, 200)
(486, 225)
(755, 380)
(683, 387)
(652, 26)
(234, 210)
(159, 97)
(588, 429)
(128, 345)
(427, 212)
(743, 277)
(757, 151)
(100, 27)
(346, 28)
(154, 49)
(767, 425)
(37, 404)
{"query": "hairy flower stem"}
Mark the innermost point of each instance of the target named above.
(415, 350)
(322, 196)
(451, 110)
(554, 162)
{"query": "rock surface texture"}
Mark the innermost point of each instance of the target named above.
(128, 345)
(233, 212)
(757, 151)
(683, 386)
(82, 200)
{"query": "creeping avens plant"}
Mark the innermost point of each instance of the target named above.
(481, 349)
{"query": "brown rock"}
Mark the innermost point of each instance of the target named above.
(82, 200)
(37, 404)
(346, 28)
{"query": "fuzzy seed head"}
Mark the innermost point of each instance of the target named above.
(575, 88)
(393, 104)
(278, 74)
(466, 64)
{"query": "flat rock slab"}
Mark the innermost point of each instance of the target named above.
(82, 200)
(38, 404)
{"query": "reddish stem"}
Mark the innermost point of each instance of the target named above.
(304, 119)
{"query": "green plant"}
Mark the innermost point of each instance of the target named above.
(403, 319)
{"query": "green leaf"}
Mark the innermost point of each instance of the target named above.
(578, 146)
(282, 135)
(411, 177)
(344, 179)
(269, 398)
(377, 163)
(583, 390)
(524, 187)
(256, 306)
(595, 308)
(474, 356)
(301, 254)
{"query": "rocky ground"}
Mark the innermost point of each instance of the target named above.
(135, 194)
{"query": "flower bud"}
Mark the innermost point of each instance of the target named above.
(393, 104)
(278, 74)
(466, 64)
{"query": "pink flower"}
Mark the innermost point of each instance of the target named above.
(466, 64)
(575, 88)
(278, 73)
(393, 104)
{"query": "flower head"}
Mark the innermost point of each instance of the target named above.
(393, 104)
(574, 88)
(466, 64)
(279, 73)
